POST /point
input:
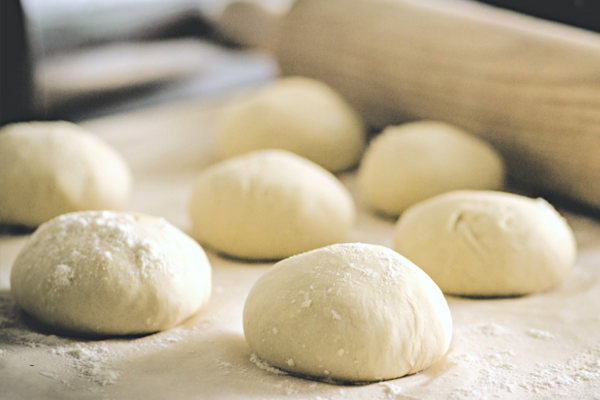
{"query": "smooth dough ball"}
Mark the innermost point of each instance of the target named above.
(269, 204)
(107, 273)
(479, 243)
(52, 168)
(297, 114)
(347, 313)
(409, 163)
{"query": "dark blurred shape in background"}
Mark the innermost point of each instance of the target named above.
(79, 59)
(16, 80)
(581, 13)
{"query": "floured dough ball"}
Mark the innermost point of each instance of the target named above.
(415, 161)
(301, 115)
(107, 273)
(347, 313)
(479, 243)
(269, 204)
(52, 168)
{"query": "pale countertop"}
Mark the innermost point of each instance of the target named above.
(541, 346)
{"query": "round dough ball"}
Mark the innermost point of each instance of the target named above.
(415, 161)
(52, 168)
(347, 313)
(478, 243)
(107, 273)
(269, 204)
(301, 115)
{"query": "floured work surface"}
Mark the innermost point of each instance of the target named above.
(540, 346)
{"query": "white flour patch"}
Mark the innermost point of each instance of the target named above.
(391, 391)
(539, 334)
(91, 361)
(62, 276)
(490, 329)
(500, 372)
(580, 368)
(265, 365)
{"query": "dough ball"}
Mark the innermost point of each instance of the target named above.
(347, 313)
(415, 161)
(269, 204)
(52, 168)
(479, 243)
(107, 273)
(297, 114)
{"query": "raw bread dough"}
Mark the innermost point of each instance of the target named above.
(479, 243)
(347, 313)
(301, 115)
(107, 273)
(269, 204)
(52, 168)
(415, 161)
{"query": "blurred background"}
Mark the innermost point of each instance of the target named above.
(79, 59)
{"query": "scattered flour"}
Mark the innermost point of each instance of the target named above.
(306, 303)
(391, 391)
(538, 334)
(92, 362)
(265, 365)
(62, 275)
(582, 367)
(490, 329)
(89, 360)
(497, 372)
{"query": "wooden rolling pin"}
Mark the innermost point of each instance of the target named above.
(528, 86)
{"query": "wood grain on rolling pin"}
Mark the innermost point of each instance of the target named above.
(530, 87)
